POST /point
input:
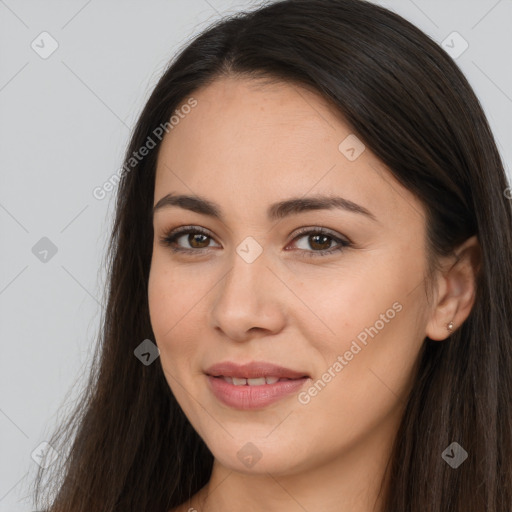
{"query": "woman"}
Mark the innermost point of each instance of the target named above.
(310, 269)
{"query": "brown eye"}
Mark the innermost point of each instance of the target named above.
(319, 242)
(194, 240)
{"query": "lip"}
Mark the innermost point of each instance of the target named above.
(253, 397)
(253, 370)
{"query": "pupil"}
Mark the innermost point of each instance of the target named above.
(325, 237)
(193, 239)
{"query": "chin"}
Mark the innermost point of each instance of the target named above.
(257, 457)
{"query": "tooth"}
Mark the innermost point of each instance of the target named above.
(256, 382)
(260, 381)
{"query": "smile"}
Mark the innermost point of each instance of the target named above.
(240, 381)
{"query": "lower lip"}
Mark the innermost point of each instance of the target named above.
(253, 397)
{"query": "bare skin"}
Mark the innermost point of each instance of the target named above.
(246, 146)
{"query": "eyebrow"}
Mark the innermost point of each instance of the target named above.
(276, 211)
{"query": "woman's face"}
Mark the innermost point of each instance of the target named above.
(256, 289)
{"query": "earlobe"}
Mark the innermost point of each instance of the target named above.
(438, 332)
(457, 286)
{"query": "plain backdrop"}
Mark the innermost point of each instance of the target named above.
(65, 119)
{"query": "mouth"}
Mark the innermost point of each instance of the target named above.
(259, 381)
(253, 385)
(253, 393)
(254, 373)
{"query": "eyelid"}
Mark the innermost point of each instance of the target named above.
(176, 233)
(170, 236)
(322, 230)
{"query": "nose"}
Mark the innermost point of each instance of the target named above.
(249, 300)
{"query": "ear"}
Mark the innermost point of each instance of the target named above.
(456, 290)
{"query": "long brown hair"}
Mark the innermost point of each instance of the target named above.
(129, 447)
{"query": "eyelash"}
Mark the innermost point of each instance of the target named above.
(169, 240)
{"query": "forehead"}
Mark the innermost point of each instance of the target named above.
(247, 144)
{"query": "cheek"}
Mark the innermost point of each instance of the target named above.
(172, 294)
(171, 314)
(371, 319)
(341, 303)
(171, 300)
(161, 310)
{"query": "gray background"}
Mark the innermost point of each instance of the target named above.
(64, 125)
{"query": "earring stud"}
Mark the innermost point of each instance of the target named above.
(450, 326)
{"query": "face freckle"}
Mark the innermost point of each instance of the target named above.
(352, 320)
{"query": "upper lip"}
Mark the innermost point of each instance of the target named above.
(253, 370)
